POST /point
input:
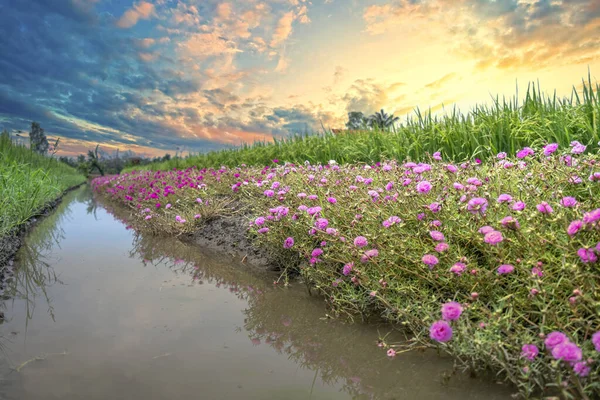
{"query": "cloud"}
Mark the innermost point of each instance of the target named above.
(442, 81)
(283, 29)
(141, 10)
(504, 34)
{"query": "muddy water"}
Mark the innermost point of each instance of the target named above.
(99, 312)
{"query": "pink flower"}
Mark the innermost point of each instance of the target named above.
(526, 151)
(321, 223)
(423, 187)
(595, 177)
(477, 205)
(568, 202)
(435, 207)
(505, 269)
(263, 230)
(458, 268)
(451, 168)
(451, 311)
(288, 243)
(197, 216)
(368, 255)
(587, 255)
(347, 269)
(430, 260)
(485, 229)
(510, 222)
(360, 241)
(582, 369)
(437, 236)
(391, 353)
(529, 351)
(441, 247)
(596, 341)
(567, 351)
(332, 200)
(501, 156)
(544, 208)
(437, 156)
(550, 148)
(504, 198)
(577, 148)
(168, 206)
(518, 206)
(259, 221)
(440, 331)
(269, 193)
(574, 227)
(316, 252)
(493, 238)
(180, 220)
(592, 216)
(554, 339)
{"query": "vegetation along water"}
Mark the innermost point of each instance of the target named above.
(478, 233)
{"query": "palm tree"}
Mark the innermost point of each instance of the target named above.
(382, 120)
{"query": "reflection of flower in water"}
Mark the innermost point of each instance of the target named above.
(255, 341)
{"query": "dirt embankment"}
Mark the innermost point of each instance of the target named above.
(10, 243)
(230, 235)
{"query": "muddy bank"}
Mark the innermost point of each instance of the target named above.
(230, 235)
(10, 243)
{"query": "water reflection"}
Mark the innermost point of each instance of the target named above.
(156, 317)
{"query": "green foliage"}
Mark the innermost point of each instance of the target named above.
(28, 181)
(507, 125)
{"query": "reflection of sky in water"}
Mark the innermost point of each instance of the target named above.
(157, 319)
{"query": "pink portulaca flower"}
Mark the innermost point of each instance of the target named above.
(493, 237)
(510, 223)
(441, 247)
(288, 243)
(458, 268)
(451, 311)
(504, 198)
(477, 205)
(360, 241)
(518, 206)
(440, 331)
(544, 208)
(596, 341)
(505, 269)
(321, 223)
(577, 148)
(424, 187)
(568, 202)
(526, 151)
(529, 351)
(574, 227)
(430, 260)
(550, 148)
(567, 351)
(347, 269)
(368, 255)
(554, 339)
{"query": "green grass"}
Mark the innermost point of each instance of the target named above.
(508, 125)
(28, 181)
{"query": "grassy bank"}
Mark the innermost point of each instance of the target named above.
(28, 181)
(494, 262)
(506, 126)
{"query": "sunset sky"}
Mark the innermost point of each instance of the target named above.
(195, 75)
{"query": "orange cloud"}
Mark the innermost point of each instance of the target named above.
(283, 29)
(141, 10)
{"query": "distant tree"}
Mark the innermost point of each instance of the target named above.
(357, 120)
(383, 120)
(94, 161)
(38, 141)
(166, 157)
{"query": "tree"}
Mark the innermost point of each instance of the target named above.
(382, 120)
(357, 120)
(38, 141)
(94, 160)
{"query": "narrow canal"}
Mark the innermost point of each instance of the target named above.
(96, 311)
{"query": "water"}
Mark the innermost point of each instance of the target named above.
(99, 312)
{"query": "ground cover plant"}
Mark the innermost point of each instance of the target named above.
(28, 181)
(494, 262)
(506, 126)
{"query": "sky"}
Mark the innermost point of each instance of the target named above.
(166, 76)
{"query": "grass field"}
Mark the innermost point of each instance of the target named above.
(28, 181)
(506, 126)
